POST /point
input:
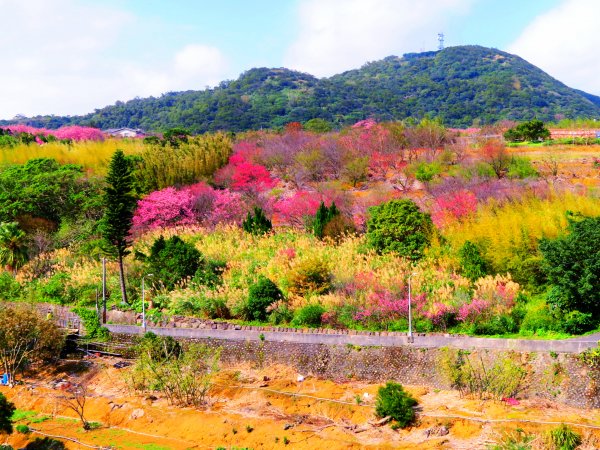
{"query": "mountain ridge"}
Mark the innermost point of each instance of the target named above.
(462, 85)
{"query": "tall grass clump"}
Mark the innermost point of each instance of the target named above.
(197, 158)
(93, 155)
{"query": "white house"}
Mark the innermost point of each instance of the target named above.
(125, 132)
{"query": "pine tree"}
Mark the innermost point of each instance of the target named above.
(323, 217)
(119, 203)
(258, 223)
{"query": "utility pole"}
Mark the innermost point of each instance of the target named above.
(103, 290)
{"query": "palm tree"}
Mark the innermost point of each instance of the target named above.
(13, 248)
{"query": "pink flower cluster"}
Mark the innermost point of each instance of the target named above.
(243, 174)
(454, 206)
(470, 312)
(73, 132)
(196, 204)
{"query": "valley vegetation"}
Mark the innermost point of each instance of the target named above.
(307, 228)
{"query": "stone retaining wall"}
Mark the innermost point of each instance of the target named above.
(550, 376)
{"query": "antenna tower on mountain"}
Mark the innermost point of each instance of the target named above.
(440, 41)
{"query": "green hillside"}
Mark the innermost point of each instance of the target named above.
(462, 85)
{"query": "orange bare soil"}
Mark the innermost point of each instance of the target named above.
(255, 409)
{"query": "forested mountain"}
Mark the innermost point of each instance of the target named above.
(461, 85)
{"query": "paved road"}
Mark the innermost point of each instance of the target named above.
(575, 345)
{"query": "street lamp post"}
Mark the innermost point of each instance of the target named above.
(144, 301)
(410, 333)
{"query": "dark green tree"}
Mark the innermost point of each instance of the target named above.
(472, 264)
(6, 411)
(533, 130)
(572, 264)
(172, 260)
(257, 223)
(119, 204)
(399, 226)
(323, 217)
(261, 295)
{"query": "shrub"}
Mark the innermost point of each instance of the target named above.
(257, 223)
(157, 348)
(539, 318)
(214, 308)
(172, 261)
(516, 440)
(562, 438)
(309, 315)
(45, 443)
(521, 168)
(572, 263)
(576, 322)
(502, 377)
(280, 314)
(393, 401)
(262, 294)
(10, 289)
(185, 378)
(310, 277)
(399, 226)
(91, 323)
(337, 228)
(23, 429)
(26, 337)
(472, 264)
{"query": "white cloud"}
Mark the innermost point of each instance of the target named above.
(564, 42)
(337, 35)
(59, 57)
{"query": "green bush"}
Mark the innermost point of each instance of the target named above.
(10, 289)
(309, 315)
(472, 264)
(281, 314)
(158, 348)
(262, 294)
(45, 443)
(172, 261)
(539, 318)
(393, 401)
(91, 323)
(576, 322)
(521, 168)
(501, 324)
(399, 226)
(562, 438)
(23, 429)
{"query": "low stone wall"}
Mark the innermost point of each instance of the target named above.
(197, 328)
(558, 377)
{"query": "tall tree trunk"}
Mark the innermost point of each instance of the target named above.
(122, 279)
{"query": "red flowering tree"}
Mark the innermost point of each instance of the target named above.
(293, 209)
(164, 208)
(454, 206)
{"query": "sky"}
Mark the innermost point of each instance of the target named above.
(68, 57)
